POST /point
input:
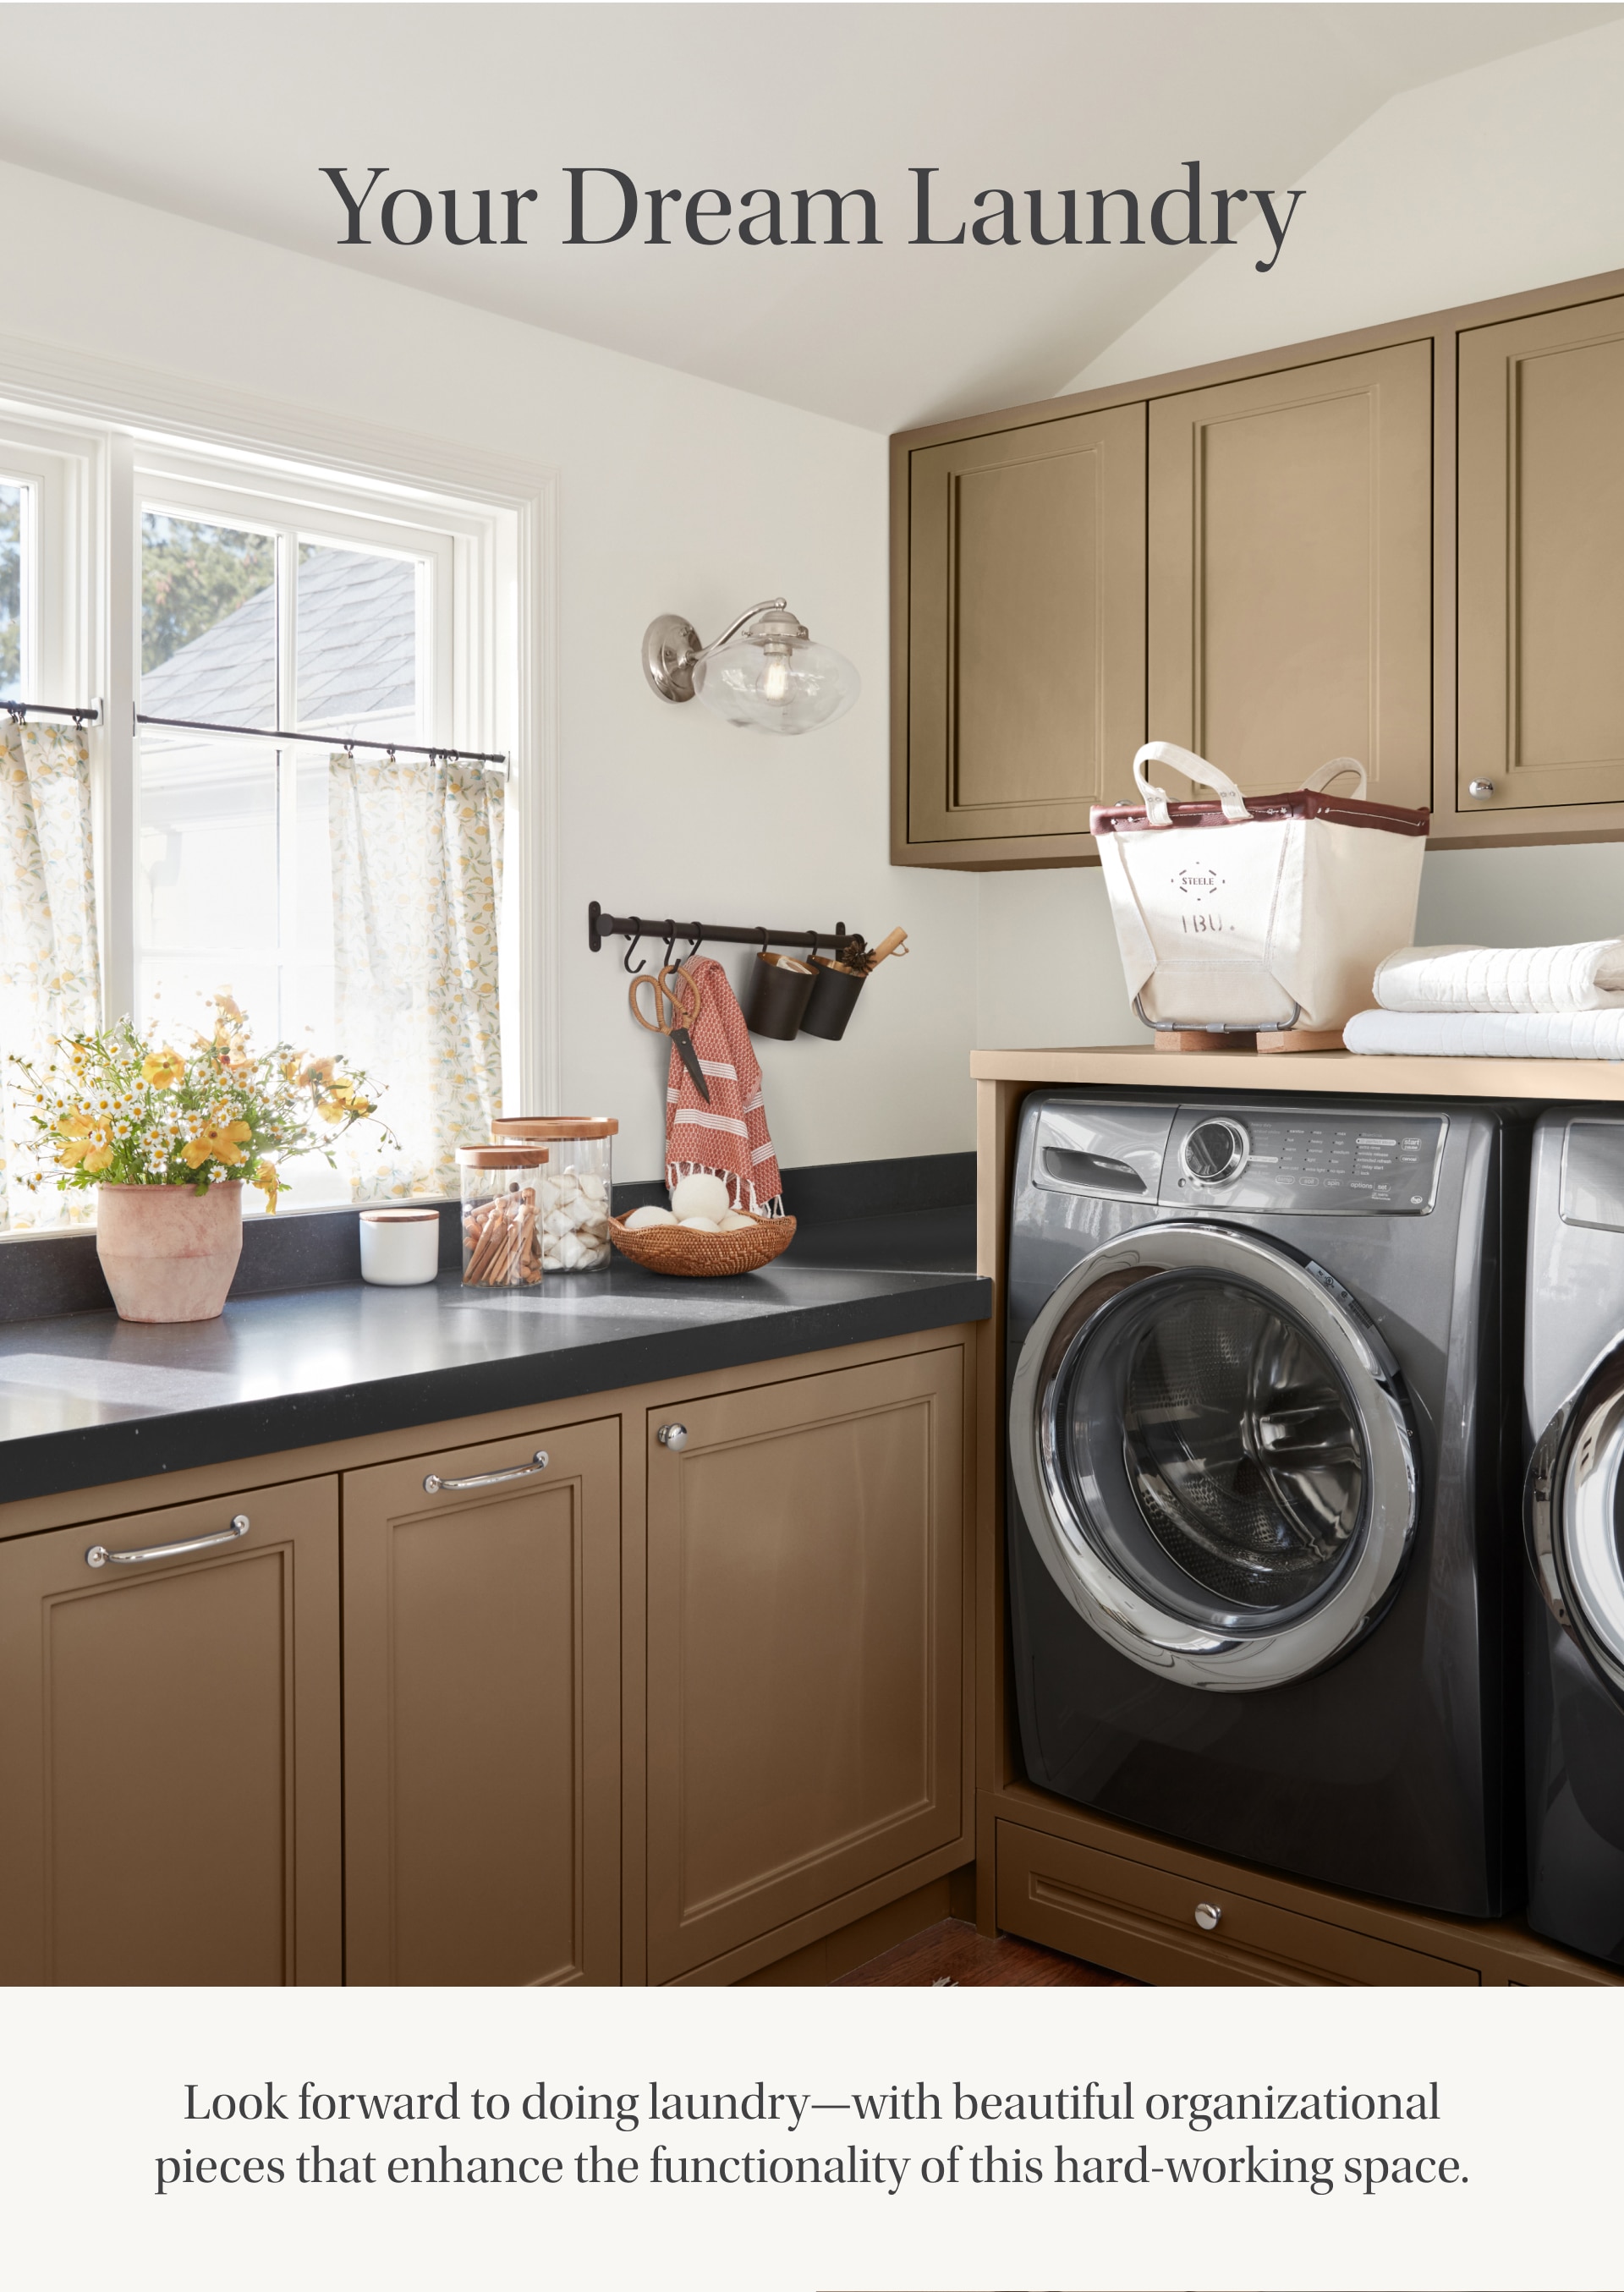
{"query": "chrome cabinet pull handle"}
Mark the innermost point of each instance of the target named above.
(434, 1486)
(1207, 1915)
(672, 1436)
(98, 1556)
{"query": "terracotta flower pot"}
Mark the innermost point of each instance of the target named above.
(169, 1252)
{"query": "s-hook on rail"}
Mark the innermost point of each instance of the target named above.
(847, 947)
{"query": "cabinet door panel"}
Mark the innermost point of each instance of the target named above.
(1026, 628)
(169, 1752)
(805, 1647)
(481, 1706)
(1290, 566)
(1541, 594)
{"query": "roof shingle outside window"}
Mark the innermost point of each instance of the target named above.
(357, 641)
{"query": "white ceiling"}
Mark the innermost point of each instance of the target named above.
(226, 113)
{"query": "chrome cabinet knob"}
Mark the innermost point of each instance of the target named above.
(1207, 1915)
(672, 1436)
(1480, 789)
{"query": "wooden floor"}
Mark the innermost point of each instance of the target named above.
(953, 1953)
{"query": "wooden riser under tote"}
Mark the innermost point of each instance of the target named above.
(1295, 1038)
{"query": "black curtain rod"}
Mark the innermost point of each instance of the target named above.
(18, 709)
(319, 740)
(599, 927)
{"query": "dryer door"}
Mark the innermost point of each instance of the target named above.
(1213, 1454)
(1573, 1521)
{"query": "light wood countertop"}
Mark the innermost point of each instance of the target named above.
(1297, 1072)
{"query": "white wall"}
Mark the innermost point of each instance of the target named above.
(1499, 178)
(675, 495)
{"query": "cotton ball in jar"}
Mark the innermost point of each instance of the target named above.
(702, 1195)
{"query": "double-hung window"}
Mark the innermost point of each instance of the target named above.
(319, 617)
(272, 632)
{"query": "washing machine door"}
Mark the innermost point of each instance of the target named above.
(1575, 1528)
(1213, 1453)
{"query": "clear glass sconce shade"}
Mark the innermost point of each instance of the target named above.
(772, 678)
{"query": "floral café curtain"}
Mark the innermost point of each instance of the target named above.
(50, 968)
(416, 894)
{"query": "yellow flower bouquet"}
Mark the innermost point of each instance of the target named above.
(120, 1109)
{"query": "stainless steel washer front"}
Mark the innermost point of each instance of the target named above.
(1214, 1457)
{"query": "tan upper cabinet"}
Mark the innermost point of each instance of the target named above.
(1405, 545)
(805, 1647)
(169, 1746)
(1290, 572)
(1541, 579)
(1025, 650)
(481, 1713)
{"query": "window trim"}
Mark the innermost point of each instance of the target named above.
(60, 467)
(118, 415)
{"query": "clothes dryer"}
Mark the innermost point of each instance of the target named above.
(1263, 1489)
(1574, 1519)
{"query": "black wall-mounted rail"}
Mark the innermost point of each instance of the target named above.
(18, 709)
(847, 945)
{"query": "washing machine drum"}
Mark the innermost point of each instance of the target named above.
(1574, 1523)
(1213, 1455)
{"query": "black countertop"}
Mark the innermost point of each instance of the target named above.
(87, 1398)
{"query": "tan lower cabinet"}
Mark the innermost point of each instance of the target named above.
(805, 1646)
(481, 1713)
(169, 1746)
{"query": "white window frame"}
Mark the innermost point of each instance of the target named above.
(63, 631)
(111, 435)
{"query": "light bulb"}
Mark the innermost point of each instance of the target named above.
(775, 676)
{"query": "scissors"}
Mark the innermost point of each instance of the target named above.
(676, 1007)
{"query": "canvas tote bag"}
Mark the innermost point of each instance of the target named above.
(1262, 911)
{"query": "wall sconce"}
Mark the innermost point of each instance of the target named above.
(763, 673)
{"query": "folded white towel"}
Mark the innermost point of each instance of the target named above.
(1588, 977)
(1488, 1034)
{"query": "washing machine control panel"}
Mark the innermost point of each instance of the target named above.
(1305, 1162)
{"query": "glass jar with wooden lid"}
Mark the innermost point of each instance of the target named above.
(578, 1191)
(501, 1214)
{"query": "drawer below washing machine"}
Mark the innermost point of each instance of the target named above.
(1157, 1924)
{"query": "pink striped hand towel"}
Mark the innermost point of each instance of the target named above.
(729, 1135)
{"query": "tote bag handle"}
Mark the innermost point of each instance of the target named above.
(1197, 768)
(1321, 779)
(1194, 768)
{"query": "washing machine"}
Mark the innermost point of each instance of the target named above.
(1265, 1462)
(1574, 1646)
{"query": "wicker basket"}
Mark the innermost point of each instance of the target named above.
(681, 1249)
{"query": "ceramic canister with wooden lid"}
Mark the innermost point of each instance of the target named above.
(400, 1248)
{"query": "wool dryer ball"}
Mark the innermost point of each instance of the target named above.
(703, 1195)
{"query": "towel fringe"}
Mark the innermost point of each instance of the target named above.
(742, 1193)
